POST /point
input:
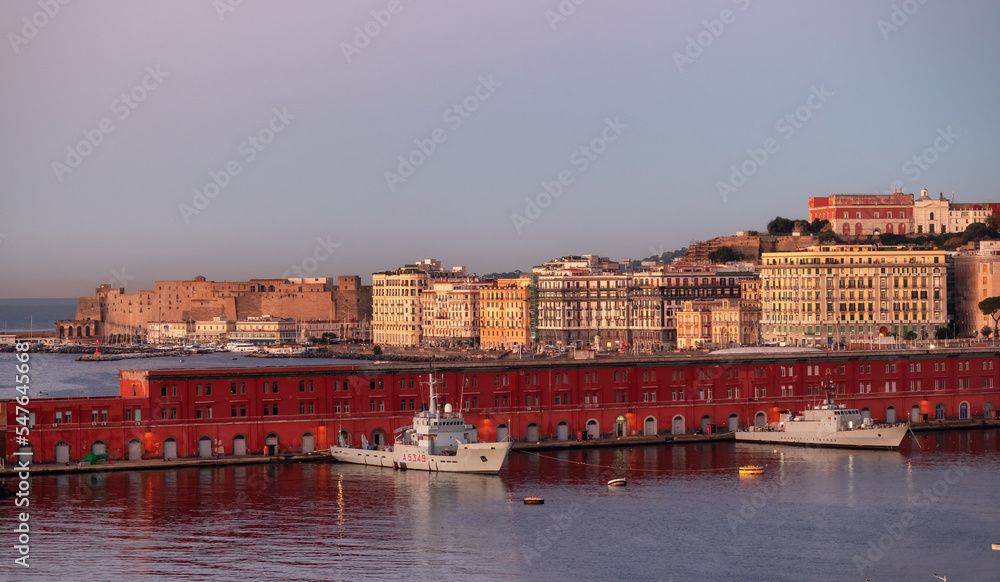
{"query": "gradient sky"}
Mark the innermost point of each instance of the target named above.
(117, 216)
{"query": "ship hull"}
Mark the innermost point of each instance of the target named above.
(870, 438)
(483, 458)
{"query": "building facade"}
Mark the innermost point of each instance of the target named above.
(857, 215)
(265, 330)
(450, 313)
(397, 318)
(505, 309)
(843, 294)
(977, 277)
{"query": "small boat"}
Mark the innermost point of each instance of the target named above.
(616, 483)
(533, 501)
(747, 470)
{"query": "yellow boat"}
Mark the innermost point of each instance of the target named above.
(747, 470)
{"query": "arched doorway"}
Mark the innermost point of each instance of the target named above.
(87, 329)
(239, 445)
(205, 447)
(271, 443)
(308, 442)
(621, 426)
(678, 425)
(170, 448)
(865, 413)
(902, 228)
(987, 409)
(939, 412)
(79, 331)
(562, 431)
(593, 429)
(857, 229)
(705, 421)
(62, 331)
(62, 452)
(532, 433)
(344, 438)
(915, 413)
(134, 450)
(963, 411)
(502, 433)
(650, 426)
(99, 447)
(734, 422)
(760, 420)
(378, 437)
(890, 414)
(847, 229)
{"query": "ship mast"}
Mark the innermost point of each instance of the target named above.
(830, 389)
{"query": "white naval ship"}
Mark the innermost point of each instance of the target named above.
(436, 441)
(827, 425)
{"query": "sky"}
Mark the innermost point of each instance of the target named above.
(156, 141)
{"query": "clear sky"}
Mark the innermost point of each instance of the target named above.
(289, 119)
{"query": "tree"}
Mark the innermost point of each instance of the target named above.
(723, 255)
(942, 333)
(993, 223)
(991, 306)
(976, 231)
(986, 331)
(376, 350)
(780, 225)
(817, 225)
(910, 336)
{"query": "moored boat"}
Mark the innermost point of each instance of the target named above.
(436, 441)
(826, 425)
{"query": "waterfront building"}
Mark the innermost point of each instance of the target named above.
(215, 330)
(236, 411)
(396, 309)
(122, 313)
(169, 332)
(78, 329)
(852, 293)
(450, 312)
(505, 309)
(859, 215)
(735, 322)
(265, 330)
(977, 276)
(694, 325)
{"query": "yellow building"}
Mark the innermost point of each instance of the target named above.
(735, 322)
(852, 294)
(505, 309)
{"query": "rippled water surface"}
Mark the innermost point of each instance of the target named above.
(815, 514)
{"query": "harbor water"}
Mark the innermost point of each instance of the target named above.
(685, 514)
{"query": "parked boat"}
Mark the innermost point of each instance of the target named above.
(827, 425)
(436, 441)
(747, 470)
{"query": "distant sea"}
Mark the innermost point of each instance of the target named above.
(37, 314)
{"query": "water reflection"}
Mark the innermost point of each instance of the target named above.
(685, 511)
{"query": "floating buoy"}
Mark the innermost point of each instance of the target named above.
(747, 470)
(533, 501)
(616, 483)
